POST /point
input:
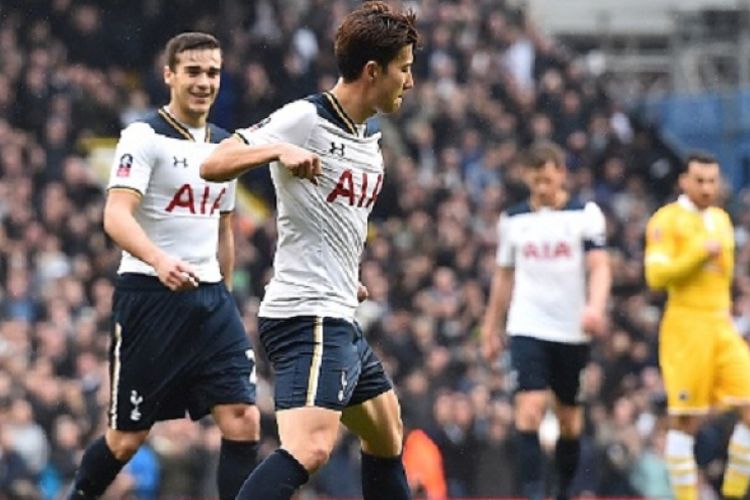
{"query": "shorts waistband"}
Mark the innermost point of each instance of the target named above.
(137, 281)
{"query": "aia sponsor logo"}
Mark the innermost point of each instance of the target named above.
(363, 195)
(196, 200)
(547, 250)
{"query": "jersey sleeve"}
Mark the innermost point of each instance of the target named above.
(595, 227)
(505, 256)
(133, 161)
(229, 201)
(291, 124)
(663, 264)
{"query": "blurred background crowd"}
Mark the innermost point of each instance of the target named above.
(487, 84)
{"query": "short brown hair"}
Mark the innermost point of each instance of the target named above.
(373, 32)
(188, 41)
(702, 157)
(541, 153)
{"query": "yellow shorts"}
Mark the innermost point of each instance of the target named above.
(704, 362)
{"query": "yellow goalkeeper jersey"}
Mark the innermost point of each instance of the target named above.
(676, 258)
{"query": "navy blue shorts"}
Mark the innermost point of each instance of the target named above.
(323, 362)
(175, 352)
(543, 364)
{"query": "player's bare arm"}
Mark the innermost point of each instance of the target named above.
(232, 158)
(226, 248)
(497, 308)
(593, 319)
(123, 228)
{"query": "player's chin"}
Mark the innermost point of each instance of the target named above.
(392, 106)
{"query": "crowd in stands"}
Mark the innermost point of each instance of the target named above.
(488, 83)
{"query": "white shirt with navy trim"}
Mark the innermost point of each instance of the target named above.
(321, 228)
(547, 248)
(179, 211)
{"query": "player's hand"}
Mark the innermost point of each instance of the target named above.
(593, 321)
(300, 162)
(362, 293)
(175, 274)
(713, 248)
(492, 345)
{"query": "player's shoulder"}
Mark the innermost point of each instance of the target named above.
(665, 214)
(328, 108)
(720, 212)
(520, 208)
(296, 114)
(216, 133)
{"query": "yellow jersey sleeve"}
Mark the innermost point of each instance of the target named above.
(664, 265)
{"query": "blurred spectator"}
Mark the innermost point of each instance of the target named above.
(487, 83)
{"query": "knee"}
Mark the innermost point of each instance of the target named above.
(124, 445)
(571, 423)
(239, 422)
(313, 453)
(570, 428)
(529, 417)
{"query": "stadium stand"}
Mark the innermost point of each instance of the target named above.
(487, 83)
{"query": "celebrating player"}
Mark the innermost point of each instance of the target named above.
(327, 170)
(178, 341)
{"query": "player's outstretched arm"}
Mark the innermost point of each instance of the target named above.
(232, 158)
(121, 225)
(599, 284)
(497, 307)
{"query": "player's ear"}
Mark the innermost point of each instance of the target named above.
(168, 75)
(371, 70)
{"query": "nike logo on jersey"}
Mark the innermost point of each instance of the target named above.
(346, 188)
(186, 196)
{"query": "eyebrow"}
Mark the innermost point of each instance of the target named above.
(199, 68)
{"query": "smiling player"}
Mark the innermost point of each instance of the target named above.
(178, 341)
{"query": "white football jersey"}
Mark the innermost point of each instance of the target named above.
(160, 158)
(547, 249)
(321, 228)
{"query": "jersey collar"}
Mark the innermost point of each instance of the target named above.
(180, 128)
(685, 203)
(341, 113)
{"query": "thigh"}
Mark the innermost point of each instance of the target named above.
(146, 373)
(686, 359)
(530, 362)
(377, 422)
(568, 362)
(225, 373)
(315, 361)
(732, 384)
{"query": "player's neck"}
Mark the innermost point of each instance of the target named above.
(186, 118)
(349, 96)
(561, 199)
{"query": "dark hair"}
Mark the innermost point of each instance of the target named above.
(703, 157)
(541, 153)
(373, 32)
(188, 41)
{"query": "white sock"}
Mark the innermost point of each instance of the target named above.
(737, 473)
(680, 458)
